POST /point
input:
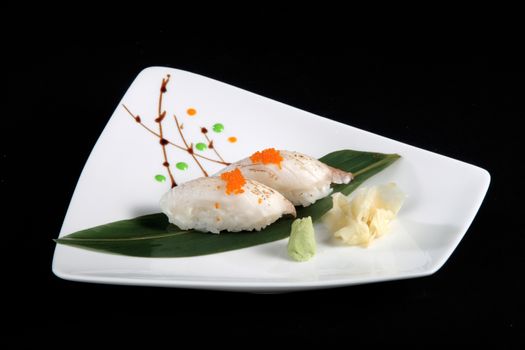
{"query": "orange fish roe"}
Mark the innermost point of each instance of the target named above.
(232, 139)
(267, 156)
(234, 181)
(191, 111)
(259, 200)
(217, 205)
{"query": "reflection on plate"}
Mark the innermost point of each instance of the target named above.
(124, 177)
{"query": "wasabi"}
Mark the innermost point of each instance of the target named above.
(301, 246)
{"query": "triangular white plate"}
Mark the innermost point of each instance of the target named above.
(118, 182)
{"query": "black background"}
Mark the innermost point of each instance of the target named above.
(461, 100)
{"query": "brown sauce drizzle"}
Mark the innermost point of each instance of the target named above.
(161, 115)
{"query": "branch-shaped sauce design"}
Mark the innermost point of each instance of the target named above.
(204, 131)
(164, 142)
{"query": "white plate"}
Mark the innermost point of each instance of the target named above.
(118, 183)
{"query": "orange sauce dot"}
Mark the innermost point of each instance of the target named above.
(232, 139)
(259, 200)
(191, 111)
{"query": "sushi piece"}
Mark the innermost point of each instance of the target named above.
(300, 178)
(227, 202)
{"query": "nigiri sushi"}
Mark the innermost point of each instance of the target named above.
(227, 202)
(298, 177)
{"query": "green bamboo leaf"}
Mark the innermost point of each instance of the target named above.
(153, 236)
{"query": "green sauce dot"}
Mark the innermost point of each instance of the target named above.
(201, 146)
(160, 178)
(181, 166)
(218, 127)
